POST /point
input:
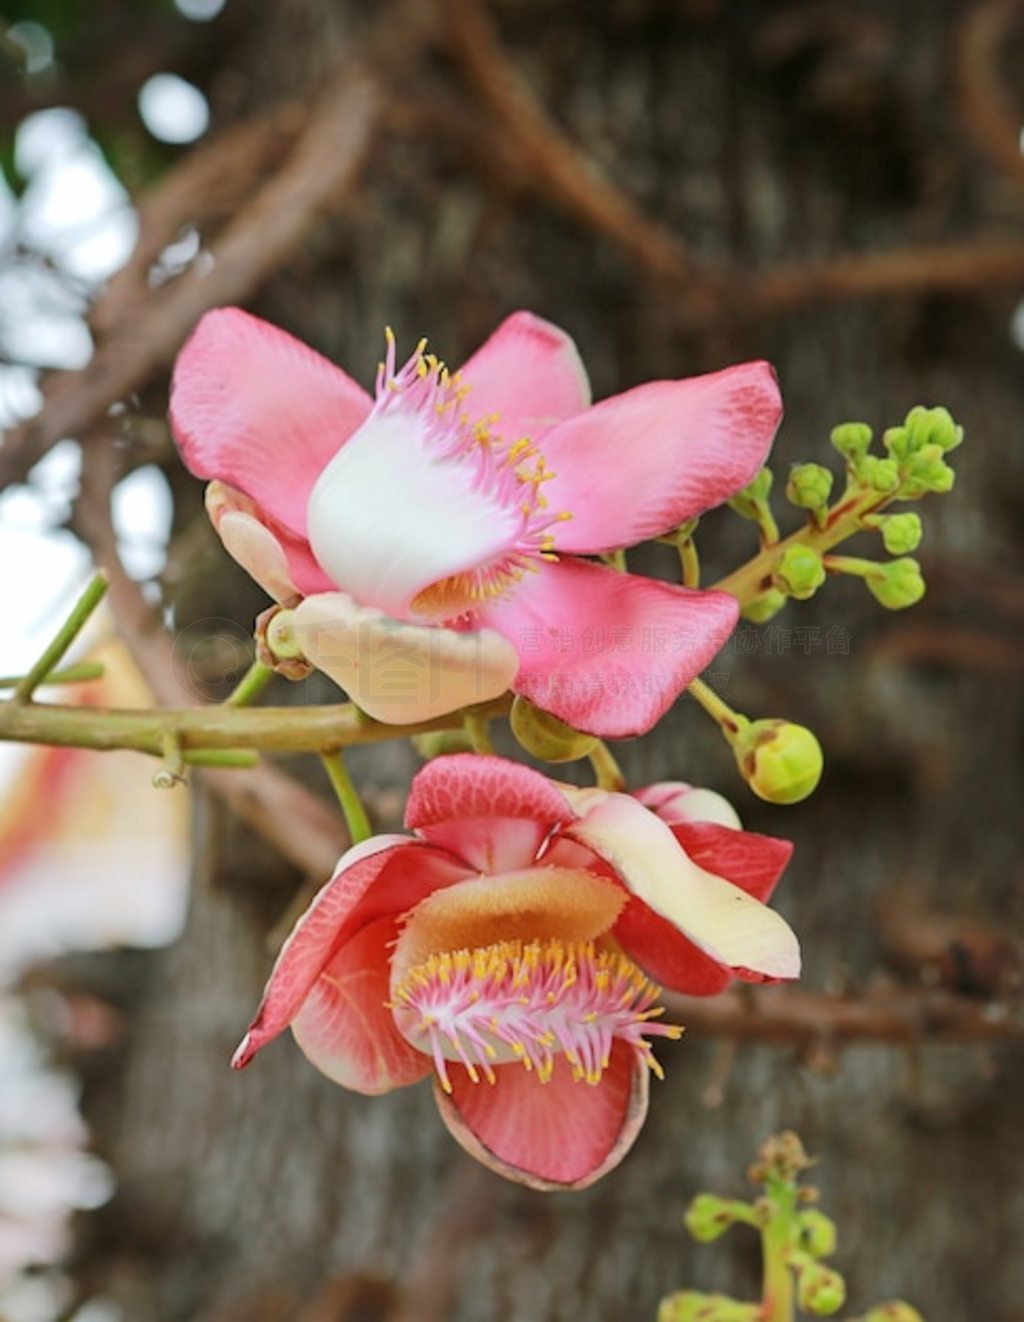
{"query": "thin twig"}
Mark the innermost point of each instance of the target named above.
(989, 114)
(62, 640)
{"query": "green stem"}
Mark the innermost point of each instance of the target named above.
(689, 562)
(851, 564)
(173, 770)
(606, 768)
(476, 726)
(730, 722)
(62, 640)
(356, 820)
(75, 674)
(251, 685)
(751, 580)
(778, 1296)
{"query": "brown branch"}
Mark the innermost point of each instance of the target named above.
(989, 113)
(561, 168)
(301, 826)
(789, 1016)
(319, 172)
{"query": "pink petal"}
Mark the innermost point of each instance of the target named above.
(717, 915)
(751, 861)
(638, 464)
(376, 879)
(492, 813)
(398, 672)
(281, 564)
(256, 408)
(608, 652)
(344, 1027)
(529, 373)
(674, 801)
(556, 1135)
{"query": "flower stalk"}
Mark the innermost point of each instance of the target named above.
(351, 804)
(62, 640)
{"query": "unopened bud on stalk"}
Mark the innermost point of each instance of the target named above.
(893, 1311)
(901, 533)
(851, 439)
(817, 1233)
(765, 607)
(708, 1217)
(809, 486)
(898, 584)
(546, 737)
(277, 645)
(691, 1306)
(780, 761)
(799, 572)
(749, 500)
(820, 1290)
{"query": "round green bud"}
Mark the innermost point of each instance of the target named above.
(708, 1217)
(780, 761)
(546, 737)
(901, 533)
(894, 1311)
(281, 638)
(881, 475)
(765, 607)
(898, 584)
(799, 572)
(692, 1306)
(851, 439)
(820, 1290)
(809, 486)
(932, 427)
(817, 1233)
(747, 500)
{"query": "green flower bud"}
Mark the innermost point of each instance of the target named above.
(932, 427)
(691, 1306)
(881, 475)
(893, 1311)
(901, 533)
(817, 1233)
(546, 737)
(820, 1290)
(809, 486)
(780, 761)
(799, 572)
(708, 1217)
(765, 607)
(898, 584)
(753, 495)
(281, 637)
(852, 439)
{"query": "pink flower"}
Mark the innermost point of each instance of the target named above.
(438, 555)
(507, 946)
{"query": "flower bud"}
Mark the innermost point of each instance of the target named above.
(276, 643)
(893, 1311)
(708, 1217)
(765, 607)
(820, 1290)
(780, 761)
(546, 737)
(799, 572)
(932, 427)
(691, 1306)
(809, 486)
(898, 584)
(746, 501)
(817, 1233)
(901, 533)
(881, 475)
(281, 637)
(851, 439)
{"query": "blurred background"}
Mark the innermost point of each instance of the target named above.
(682, 184)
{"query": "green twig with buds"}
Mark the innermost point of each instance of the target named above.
(795, 1239)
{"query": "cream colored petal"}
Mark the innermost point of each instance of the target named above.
(720, 918)
(249, 541)
(397, 672)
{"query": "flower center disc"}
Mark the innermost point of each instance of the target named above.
(529, 1002)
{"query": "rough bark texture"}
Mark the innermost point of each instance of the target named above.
(757, 134)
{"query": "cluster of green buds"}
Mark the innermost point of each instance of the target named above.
(913, 465)
(795, 1238)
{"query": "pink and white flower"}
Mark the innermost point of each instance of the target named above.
(437, 551)
(508, 945)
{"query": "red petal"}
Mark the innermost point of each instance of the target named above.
(556, 1135)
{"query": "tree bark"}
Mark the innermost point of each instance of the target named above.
(754, 135)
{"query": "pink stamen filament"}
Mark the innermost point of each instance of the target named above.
(539, 1000)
